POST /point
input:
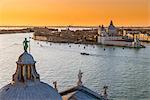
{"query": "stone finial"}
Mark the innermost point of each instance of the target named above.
(55, 85)
(105, 95)
(79, 83)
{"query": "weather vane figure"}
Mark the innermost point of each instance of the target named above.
(25, 44)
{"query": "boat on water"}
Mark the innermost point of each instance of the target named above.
(41, 45)
(83, 53)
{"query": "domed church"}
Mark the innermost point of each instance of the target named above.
(112, 30)
(26, 84)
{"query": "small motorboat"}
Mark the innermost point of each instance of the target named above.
(41, 45)
(83, 53)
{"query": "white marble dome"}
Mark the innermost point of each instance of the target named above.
(26, 84)
(111, 26)
(30, 91)
(26, 58)
(112, 30)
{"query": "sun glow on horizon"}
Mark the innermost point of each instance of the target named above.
(74, 12)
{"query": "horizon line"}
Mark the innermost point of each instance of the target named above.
(90, 26)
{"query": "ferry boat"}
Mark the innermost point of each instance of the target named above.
(83, 53)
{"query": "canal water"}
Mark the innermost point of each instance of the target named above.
(125, 71)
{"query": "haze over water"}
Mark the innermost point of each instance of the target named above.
(126, 72)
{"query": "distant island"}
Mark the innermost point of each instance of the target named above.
(65, 35)
(13, 31)
(111, 35)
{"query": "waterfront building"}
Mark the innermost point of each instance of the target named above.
(102, 31)
(113, 38)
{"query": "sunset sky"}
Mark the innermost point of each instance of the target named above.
(74, 12)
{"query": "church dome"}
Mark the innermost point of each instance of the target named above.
(26, 58)
(111, 26)
(29, 91)
(26, 84)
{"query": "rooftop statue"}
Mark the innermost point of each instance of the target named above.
(79, 83)
(25, 44)
(80, 92)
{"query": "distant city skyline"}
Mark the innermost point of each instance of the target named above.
(74, 12)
